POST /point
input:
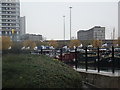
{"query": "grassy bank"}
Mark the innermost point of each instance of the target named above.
(31, 71)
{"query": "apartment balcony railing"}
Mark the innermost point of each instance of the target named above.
(6, 1)
(10, 6)
(17, 10)
(13, 18)
(6, 26)
(6, 30)
(10, 22)
(10, 14)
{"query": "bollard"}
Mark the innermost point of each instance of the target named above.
(113, 69)
(55, 52)
(98, 60)
(86, 66)
(76, 61)
(41, 51)
(61, 53)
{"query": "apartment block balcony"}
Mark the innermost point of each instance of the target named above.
(16, 10)
(6, 1)
(13, 21)
(12, 6)
(10, 22)
(9, 18)
(6, 26)
(10, 14)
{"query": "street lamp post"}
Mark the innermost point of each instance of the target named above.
(64, 27)
(70, 22)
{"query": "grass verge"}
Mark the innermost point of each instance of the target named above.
(31, 71)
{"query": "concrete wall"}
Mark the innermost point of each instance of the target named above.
(101, 81)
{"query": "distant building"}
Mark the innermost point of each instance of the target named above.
(95, 33)
(32, 37)
(22, 26)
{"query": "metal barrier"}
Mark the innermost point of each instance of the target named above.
(95, 62)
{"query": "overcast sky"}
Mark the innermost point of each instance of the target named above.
(46, 18)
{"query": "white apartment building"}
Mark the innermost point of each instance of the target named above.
(10, 19)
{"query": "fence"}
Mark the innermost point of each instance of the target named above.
(99, 62)
(96, 58)
(87, 58)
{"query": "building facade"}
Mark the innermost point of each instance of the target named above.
(10, 19)
(22, 26)
(32, 37)
(95, 33)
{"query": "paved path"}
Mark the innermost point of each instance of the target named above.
(116, 74)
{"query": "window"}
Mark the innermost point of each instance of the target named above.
(9, 33)
(17, 33)
(11, 37)
(6, 33)
(17, 37)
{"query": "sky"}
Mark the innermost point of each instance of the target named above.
(46, 17)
